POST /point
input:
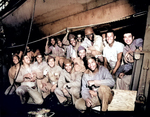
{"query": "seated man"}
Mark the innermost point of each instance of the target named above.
(124, 72)
(12, 73)
(53, 48)
(62, 51)
(93, 43)
(79, 38)
(79, 65)
(112, 53)
(96, 80)
(51, 73)
(27, 77)
(69, 84)
(40, 64)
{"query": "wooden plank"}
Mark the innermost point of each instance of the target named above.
(123, 100)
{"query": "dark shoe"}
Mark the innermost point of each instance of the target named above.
(65, 103)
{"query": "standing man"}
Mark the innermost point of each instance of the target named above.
(69, 84)
(112, 53)
(93, 43)
(101, 79)
(27, 77)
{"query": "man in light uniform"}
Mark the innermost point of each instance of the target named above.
(27, 77)
(69, 84)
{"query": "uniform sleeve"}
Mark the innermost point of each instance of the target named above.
(84, 43)
(61, 80)
(77, 82)
(120, 48)
(65, 40)
(104, 52)
(68, 52)
(98, 44)
(85, 90)
(139, 42)
(107, 78)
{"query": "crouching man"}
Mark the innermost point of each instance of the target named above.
(101, 80)
(69, 84)
(27, 77)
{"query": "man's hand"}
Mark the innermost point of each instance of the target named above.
(91, 82)
(121, 75)
(27, 76)
(88, 102)
(53, 87)
(129, 57)
(92, 93)
(67, 30)
(91, 48)
(65, 92)
(65, 85)
(33, 78)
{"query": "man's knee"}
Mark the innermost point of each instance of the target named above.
(105, 93)
(39, 101)
(103, 89)
(57, 91)
(20, 91)
(75, 92)
(80, 104)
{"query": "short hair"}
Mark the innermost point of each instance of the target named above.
(90, 56)
(50, 57)
(52, 38)
(38, 54)
(128, 31)
(71, 36)
(16, 56)
(57, 39)
(66, 61)
(110, 31)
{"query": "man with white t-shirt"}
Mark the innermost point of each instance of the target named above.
(112, 53)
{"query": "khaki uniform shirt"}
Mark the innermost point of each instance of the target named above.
(72, 80)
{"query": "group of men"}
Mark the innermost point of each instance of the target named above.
(74, 72)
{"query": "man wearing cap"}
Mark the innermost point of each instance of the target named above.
(96, 84)
(93, 43)
(27, 77)
(69, 84)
